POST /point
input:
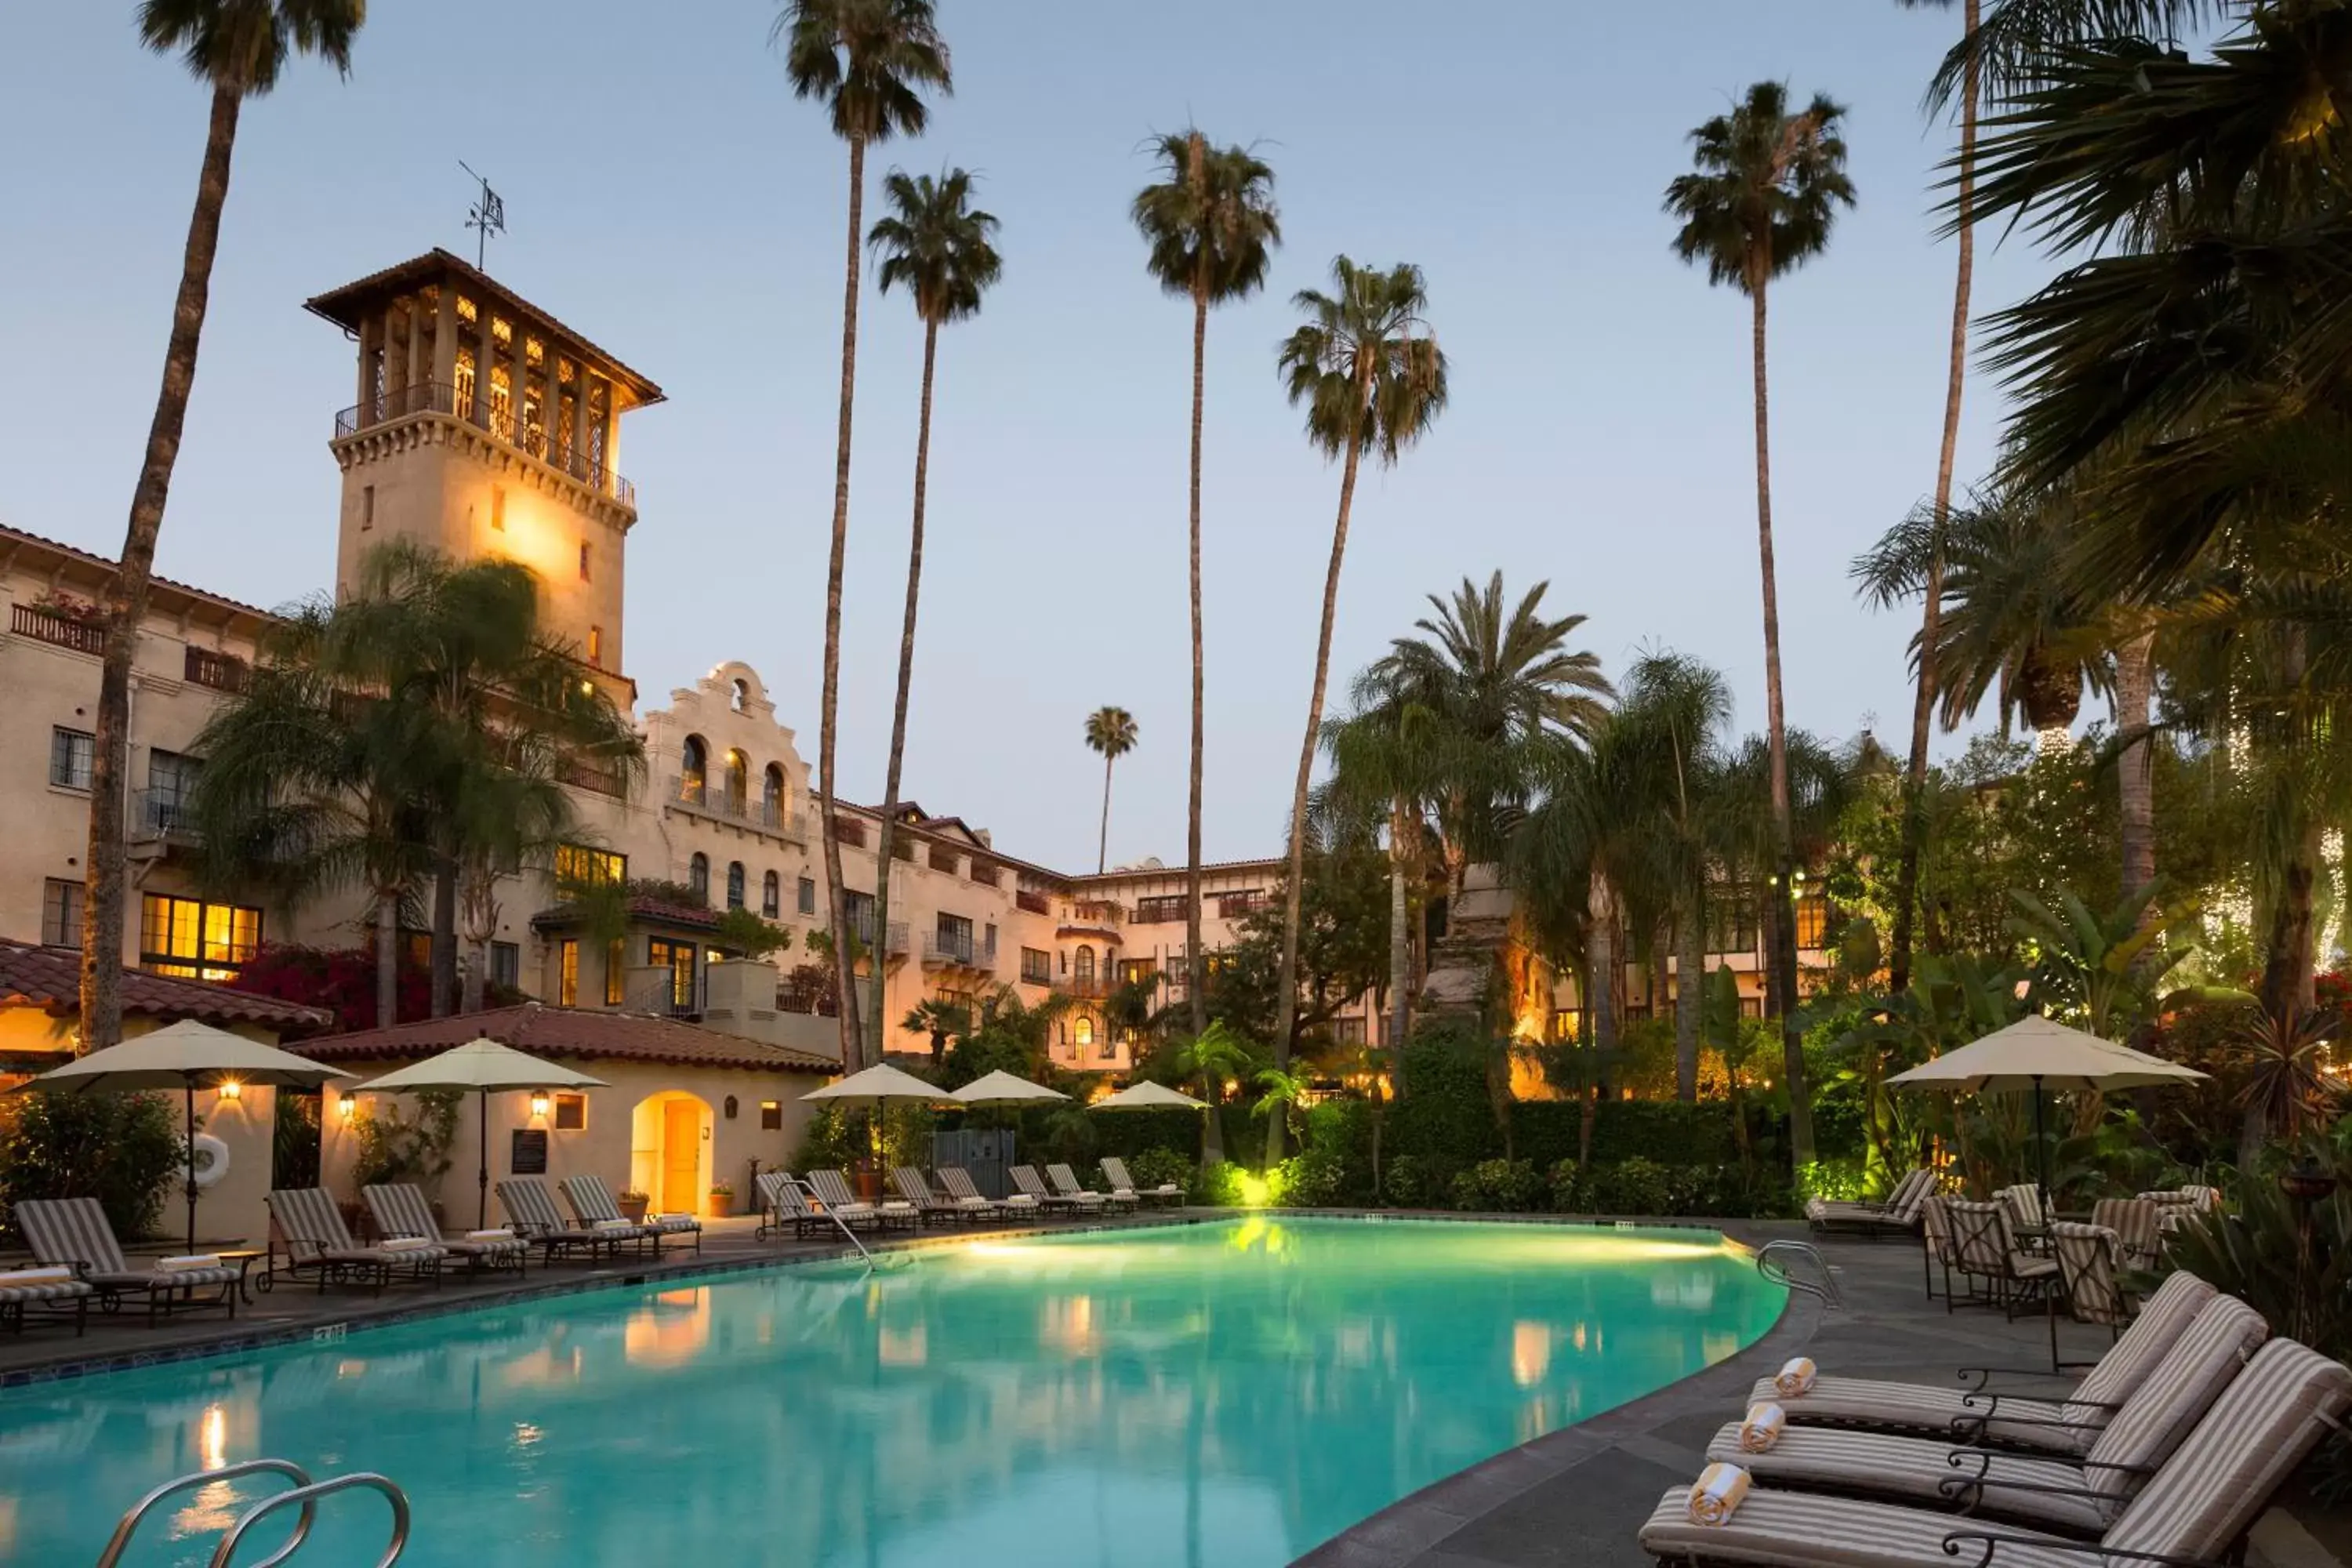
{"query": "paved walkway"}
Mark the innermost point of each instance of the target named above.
(1577, 1497)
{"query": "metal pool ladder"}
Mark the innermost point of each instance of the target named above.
(305, 1492)
(809, 1199)
(1772, 1261)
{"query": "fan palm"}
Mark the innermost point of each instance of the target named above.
(1212, 225)
(1366, 368)
(1214, 1061)
(870, 61)
(1110, 732)
(1394, 757)
(2286, 1087)
(941, 1018)
(1762, 202)
(236, 48)
(935, 243)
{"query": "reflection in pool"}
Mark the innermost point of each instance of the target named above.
(1229, 1393)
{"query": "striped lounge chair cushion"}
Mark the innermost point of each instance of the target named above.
(1913, 1470)
(2137, 1224)
(2269, 1417)
(2088, 1256)
(2161, 1323)
(532, 1207)
(2160, 1414)
(400, 1209)
(75, 1230)
(1798, 1530)
(42, 1291)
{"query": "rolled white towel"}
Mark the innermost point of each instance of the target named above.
(187, 1260)
(1022, 1201)
(54, 1274)
(1717, 1493)
(1816, 1208)
(897, 1205)
(404, 1243)
(972, 1202)
(673, 1221)
(1761, 1429)
(1166, 1189)
(615, 1224)
(1125, 1195)
(1796, 1377)
(500, 1232)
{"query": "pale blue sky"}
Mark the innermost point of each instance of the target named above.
(667, 196)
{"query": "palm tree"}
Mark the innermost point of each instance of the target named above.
(1213, 1060)
(936, 244)
(1367, 367)
(236, 48)
(940, 1017)
(1393, 756)
(870, 61)
(1762, 202)
(1212, 226)
(1914, 777)
(1111, 733)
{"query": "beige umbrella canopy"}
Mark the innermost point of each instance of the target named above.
(874, 1088)
(1001, 1087)
(1149, 1097)
(186, 1056)
(479, 1066)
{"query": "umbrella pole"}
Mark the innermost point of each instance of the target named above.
(2041, 1149)
(482, 1178)
(190, 1084)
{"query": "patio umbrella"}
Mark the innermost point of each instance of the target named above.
(2040, 1056)
(875, 1087)
(1001, 1087)
(479, 1066)
(1149, 1097)
(186, 1056)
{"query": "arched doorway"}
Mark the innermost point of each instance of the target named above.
(669, 1150)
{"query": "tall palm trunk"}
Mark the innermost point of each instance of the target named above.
(443, 966)
(1784, 945)
(126, 595)
(836, 891)
(2136, 769)
(1399, 928)
(1601, 948)
(1690, 986)
(387, 957)
(875, 1011)
(1286, 980)
(1923, 701)
(1102, 844)
(1196, 964)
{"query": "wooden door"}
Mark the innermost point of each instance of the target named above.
(681, 1157)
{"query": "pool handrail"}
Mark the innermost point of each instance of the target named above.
(1770, 1265)
(308, 1497)
(119, 1541)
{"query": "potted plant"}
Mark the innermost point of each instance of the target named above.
(634, 1206)
(722, 1199)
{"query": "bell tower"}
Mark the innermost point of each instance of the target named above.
(487, 428)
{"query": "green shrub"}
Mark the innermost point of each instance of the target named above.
(1219, 1184)
(1498, 1186)
(124, 1150)
(1410, 1182)
(1153, 1167)
(1839, 1179)
(396, 1145)
(1631, 1186)
(1308, 1180)
(1567, 1185)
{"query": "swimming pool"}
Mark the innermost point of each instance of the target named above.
(1233, 1392)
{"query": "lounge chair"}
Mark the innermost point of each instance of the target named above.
(2194, 1511)
(318, 1242)
(1975, 1411)
(2090, 1260)
(2139, 1225)
(530, 1207)
(970, 1199)
(1114, 1170)
(1066, 1185)
(1936, 1243)
(401, 1212)
(2077, 1494)
(592, 1202)
(929, 1207)
(52, 1290)
(831, 1190)
(1898, 1216)
(2024, 1202)
(1985, 1249)
(73, 1233)
(785, 1200)
(1032, 1187)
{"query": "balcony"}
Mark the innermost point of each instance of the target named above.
(44, 625)
(430, 397)
(695, 794)
(1037, 903)
(162, 814)
(596, 780)
(221, 671)
(1082, 987)
(959, 953)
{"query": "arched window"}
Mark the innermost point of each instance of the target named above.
(739, 782)
(1083, 968)
(693, 769)
(698, 874)
(1083, 1031)
(741, 695)
(771, 896)
(734, 884)
(771, 796)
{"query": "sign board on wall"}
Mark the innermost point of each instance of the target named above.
(529, 1157)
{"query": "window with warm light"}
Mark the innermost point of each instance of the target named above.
(580, 866)
(498, 507)
(595, 648)
(678, 957)
(693, 769)
(567, 974)
(1082, 1031)
(191, 940)
(771, 1116)
(616, 973)
(1812, 918)
(571, 1113)
(739, 782)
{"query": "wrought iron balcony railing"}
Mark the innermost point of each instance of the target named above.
(50, 626)
(695, 794)
(534, 440)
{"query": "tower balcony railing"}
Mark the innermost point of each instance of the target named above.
(500, 420)
(699, 794)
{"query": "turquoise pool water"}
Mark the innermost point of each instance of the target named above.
(1229, 1393)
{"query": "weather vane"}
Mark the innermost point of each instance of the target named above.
(486, 218)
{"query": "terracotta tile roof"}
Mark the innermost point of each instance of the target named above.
(50, 977)
(576, 1033)
(701, 917)
(341, 306)
(106, 563)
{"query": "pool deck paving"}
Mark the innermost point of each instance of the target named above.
(1577, 1497)
(1572, 1499)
